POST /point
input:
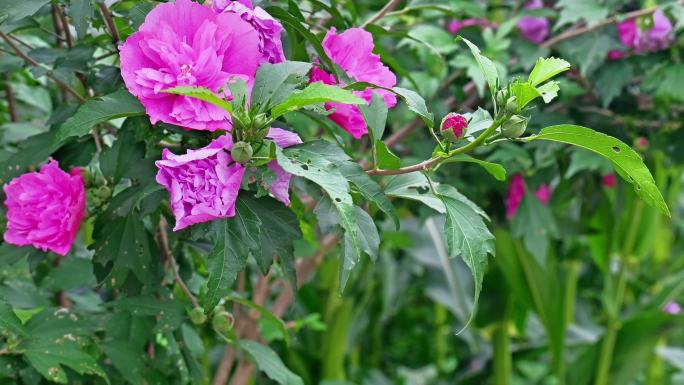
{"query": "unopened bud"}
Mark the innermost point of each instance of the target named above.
(514, 127)
(500, 98)
(242, 152)
(641, 143)
(512, 105)
(454, 127)
(197, 316)
(103, 192)
(223, 322)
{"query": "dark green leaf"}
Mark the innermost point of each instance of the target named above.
(48, 357)
(534, 223)
(275, 82)
(269, 362)
(386, 159)
(375, 115)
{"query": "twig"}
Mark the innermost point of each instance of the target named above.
(382, 13)
(34, 63)
(109, 21)
(164, 243)
(11, 101)
(64, 25)
(574, 32)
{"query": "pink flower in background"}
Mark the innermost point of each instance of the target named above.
(204, 183)
(456, 25)
(616, 54)
(672, 308)
(534, 29)
(186, 44)
(543, 193)
(352, 50)
(45, 209)
(269, 29)
(515, 195)
(609, 181)
(658, 37)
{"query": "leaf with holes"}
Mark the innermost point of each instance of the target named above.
(203, 94)
(315, 93)
(626, 161)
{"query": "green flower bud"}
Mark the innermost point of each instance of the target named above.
(223, 322)
(500, 98)
(512, 105)
(260, 121)
(242, 152)
(514, 127)
(103, 192)
(197, 316)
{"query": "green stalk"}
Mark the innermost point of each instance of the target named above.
(613, 327)
(503, 366)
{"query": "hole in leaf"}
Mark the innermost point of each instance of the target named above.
(338, 200)
(616, 149)
(305, 167)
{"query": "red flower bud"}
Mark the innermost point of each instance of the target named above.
(641, 143)
(454, 127)
(609, 181)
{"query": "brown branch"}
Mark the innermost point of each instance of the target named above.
(11, 101)
(389, 7)
(574, 32)
(109, 21)
(166, 253)
(64, 25)
(34, 63)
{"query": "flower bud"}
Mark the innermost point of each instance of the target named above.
(223, 322)
(512, 105)
(454, 127)
(103, 192)
(641, 143)
(242, 152)
(514, 127)
(197, 316)
(500, 98)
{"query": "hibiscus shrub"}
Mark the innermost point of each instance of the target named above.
(197, 190)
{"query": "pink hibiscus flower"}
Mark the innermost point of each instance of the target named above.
(534, 29)
(352, 50)
(658, 37)
(186, 44)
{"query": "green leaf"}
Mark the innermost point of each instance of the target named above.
(386, 159)
(375, 116)
(275, 82)
(168, 313)
(546, 68)
(315, 93)
(486, 66)
(279, 229)
(494, 169)
(236, 239)
(47, 357)
(127, 359)
(80, 12)
(14, 10)
(316, 162)
(549, 90)
(269, 362)
(95, 111)
(9, 322)
(122, 246)
(414, 186)
(467, 235)
(203, 94)
(588, 51)
(626, 161)
(369, 241)
(534, 223)
(611, 78)
(524, 92)
(415, 103)
(575, 10)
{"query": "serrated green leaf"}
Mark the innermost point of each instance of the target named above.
(115, 105)
(612, 77)
(575, 10)
(486, 66)
(268, 362)
(168, 313)
(315, 93)
(48, 357)
(16, 10)
(546, 68)
(203, 94)
(494, 169)
(467, 236)
(9, 322)
(127, 359)
(279, 229)
(524, 93)
(236, 239)
(416, 187)
(275, 82)
(626, 161)
(549, 90)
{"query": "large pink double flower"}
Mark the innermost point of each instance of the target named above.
(187, 44)
(204, 183)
